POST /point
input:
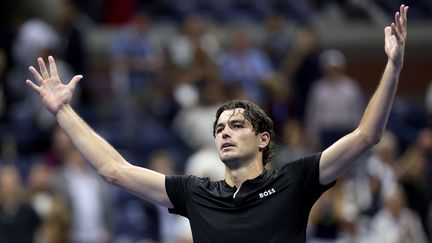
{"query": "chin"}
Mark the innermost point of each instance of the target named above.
(229, 159)
(226, 159)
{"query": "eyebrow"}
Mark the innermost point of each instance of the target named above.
(232, 121)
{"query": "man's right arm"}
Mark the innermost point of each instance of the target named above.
(109, 164)
(56, 97)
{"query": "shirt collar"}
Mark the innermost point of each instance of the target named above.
(255, 181)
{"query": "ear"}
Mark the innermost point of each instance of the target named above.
(264, 139)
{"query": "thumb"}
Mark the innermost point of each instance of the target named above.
(74, 81)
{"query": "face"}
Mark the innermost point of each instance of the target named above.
(9, 182)
(235, 138)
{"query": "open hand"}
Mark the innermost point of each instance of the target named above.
(53, 93)
(395, 37)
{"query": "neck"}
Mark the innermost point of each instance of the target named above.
(237, 175)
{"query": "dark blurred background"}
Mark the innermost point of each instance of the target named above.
(154, 74)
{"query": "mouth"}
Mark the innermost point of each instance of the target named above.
(227, 145)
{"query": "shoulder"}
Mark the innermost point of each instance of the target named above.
(304, 171)
(306, 161)
(192, 186)
(190, 181)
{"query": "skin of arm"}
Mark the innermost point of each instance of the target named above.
(107, 162)
(340, 156)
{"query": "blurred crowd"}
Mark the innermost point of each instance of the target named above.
(154, 100)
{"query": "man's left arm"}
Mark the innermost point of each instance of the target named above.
(340, 156)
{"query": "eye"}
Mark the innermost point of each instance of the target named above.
(219, 130)
(238, 126)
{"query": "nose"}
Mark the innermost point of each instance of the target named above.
(226, 133)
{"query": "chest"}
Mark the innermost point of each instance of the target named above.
(272, 209)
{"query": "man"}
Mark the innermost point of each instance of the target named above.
(251, 204)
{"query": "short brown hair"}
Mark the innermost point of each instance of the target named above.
(260, 121)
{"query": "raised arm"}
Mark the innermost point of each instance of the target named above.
(341, 155)
(108, 163)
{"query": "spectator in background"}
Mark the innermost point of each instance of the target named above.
(415, 178)
(136, 58)
(279, 38)
(135, 220)
(50, 207)
(302, 68)
(18, 219)
(383, 161)
(192, 55)
(90, 218)
(34, 36)
(335, 102)
(37, 37)
(70, 29)
(365, 198)
(194, 44)
(246, 66)
(396, 222)
(141, 221)
(280, 100)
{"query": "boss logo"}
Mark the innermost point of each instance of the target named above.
(267, 193)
